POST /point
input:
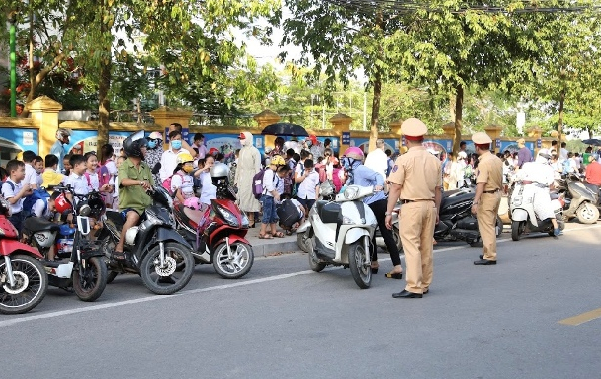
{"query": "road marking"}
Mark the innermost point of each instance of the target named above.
(6, 323)
(582, 318)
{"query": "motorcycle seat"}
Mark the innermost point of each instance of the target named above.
(189, 214)
(35, 224)
(455, 198)
(328, 211)
(593, 187)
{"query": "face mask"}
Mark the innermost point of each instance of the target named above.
(177, 144)
(188, 168)
(152, 144)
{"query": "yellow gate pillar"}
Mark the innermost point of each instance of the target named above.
(267, 117)
(44, 112)
(341, 123)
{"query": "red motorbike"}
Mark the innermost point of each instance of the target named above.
(23, 280)
(223, 241)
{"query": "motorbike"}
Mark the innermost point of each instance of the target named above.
(456, 219)
(82, 268)
(153, 249)
(23, 281)
(582, 200)
(523, 217)
(339, 233)
(223, 243)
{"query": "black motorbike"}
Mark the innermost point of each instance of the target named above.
(153, 249)
(581, 200)
(457, 223)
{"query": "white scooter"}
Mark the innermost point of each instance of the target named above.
(339, 233)
(523, 218)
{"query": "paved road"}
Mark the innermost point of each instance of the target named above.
(283, 321)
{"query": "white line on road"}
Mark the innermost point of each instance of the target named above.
(6, 323)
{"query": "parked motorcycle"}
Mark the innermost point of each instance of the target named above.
(23, 282)
(395, 230)
(153, 249)
(83, 268)
(523, 217)
(339, 233)
(582, 200)
(456, 219)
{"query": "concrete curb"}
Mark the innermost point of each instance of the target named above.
(263, 248)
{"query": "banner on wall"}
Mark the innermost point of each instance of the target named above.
(15, 140)
(513, 147)
(84, 141)
(363, 144)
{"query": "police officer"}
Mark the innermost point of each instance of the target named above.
(417, 179)
(489, 181)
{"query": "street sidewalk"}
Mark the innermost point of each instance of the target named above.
(263, 247)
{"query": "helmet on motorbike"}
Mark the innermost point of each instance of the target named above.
(278, 160)
(543, 156)
(462, 155)
(354, 153)
(5, 208)
(192, 202)
(184, 157)
(133, 144)
(326, 189)
(92, 207)
(62, 205)
(219, 170)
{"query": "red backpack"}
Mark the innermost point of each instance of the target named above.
(321, 170)
(167, 183)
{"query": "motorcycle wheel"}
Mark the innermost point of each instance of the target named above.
(90, 282)
(314, 263)
(152, 273)
(587, 213)
(30, 287)
(240, 264)
(304, 241)
(111, 276)
(360, 269)
(498, 227)
(516, 230)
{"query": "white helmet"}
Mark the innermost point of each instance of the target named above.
(62, 133)
(543, 156)
(219, 170)
(462, 155)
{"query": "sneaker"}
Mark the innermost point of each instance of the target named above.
(557, 232)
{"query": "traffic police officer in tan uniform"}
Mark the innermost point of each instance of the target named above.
(416, 179)
(489, 181)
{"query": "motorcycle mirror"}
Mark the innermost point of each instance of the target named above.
(83, 225)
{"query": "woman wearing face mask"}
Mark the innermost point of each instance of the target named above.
(169, 157)
(154, 151)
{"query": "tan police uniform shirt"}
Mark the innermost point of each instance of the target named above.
(418, 172)
(490, 171)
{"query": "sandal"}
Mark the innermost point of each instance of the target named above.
(278, 234)
(118, 255)
(266, 236)
(288, 232)
(395, 275)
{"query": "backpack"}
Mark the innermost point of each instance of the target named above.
(390, 165)
(104, 176)
(294, 184)
(257, 186)
(321, 170)
(29, 202)
(167, 183)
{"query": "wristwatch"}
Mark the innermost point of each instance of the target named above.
(141, 182)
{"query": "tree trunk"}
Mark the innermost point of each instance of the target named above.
(562, 96)
(590, 132)
(104, 104)
(375, 110)
(458, 119)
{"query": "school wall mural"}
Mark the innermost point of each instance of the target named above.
(16, 140)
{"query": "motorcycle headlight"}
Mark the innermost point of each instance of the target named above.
(347, 221)
(351, 192)
(245, 222)
(229, 218)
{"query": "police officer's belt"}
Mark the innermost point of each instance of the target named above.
(491, 191)
(403, 201)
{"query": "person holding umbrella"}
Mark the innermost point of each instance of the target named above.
(249, 164)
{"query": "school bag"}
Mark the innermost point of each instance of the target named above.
(167, 183)
(29, 202)
(258, 184)
(321, 170)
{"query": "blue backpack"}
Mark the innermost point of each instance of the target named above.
(29, 202)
